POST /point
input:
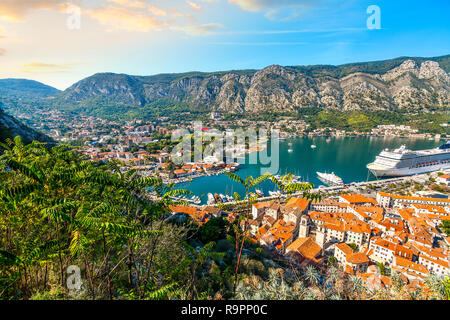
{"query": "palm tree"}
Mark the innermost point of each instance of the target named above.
(287, 187)
(439, 285)
(312, 275)
(356, 285)
(242, 233)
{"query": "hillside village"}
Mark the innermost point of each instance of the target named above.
(365, 236)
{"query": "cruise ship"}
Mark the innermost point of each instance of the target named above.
(403, 162)
(330, 178)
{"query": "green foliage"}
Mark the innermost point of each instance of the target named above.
(25, 89)
(383, 270)
(214, 230)
(366, 120)
(332, 261)
(445, 226)
(59, 210)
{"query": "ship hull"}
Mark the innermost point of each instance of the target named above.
(381, 172)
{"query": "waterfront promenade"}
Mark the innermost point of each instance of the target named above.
(355, 187)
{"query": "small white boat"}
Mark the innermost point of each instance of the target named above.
(313, 146)
(259, 193)
(290, 150)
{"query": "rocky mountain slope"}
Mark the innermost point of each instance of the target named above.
(11, 127)
(405, 83)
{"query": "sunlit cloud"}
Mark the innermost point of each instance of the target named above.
(16, 10)
(277, 9)
(194, 6)
(259, 5)
(125, 19)
(157, 11)
(138, 4)
(128, 15)
(262, 44)
(40, 67)
(202, 30)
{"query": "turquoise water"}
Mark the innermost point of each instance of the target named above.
(346, 156)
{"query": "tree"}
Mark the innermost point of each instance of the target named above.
(214, 230)
(241, 224)
(332, 261)
(287, 187)
(59, 210)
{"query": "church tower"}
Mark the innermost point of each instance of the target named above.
(320, 236)
(304, 226)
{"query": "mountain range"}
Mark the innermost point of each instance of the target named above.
(23, 88)
(405, 83)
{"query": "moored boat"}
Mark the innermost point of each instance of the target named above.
(330, 178)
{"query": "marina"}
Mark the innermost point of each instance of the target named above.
(347, 157)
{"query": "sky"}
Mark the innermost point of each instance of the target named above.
(61, 42)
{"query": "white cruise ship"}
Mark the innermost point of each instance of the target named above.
(330, 178)
(404, 162)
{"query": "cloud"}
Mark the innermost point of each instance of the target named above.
(260, 5)
(277, 9)
(125, 19)
(2, 52)
(201, 30)
(129, 15)
(40, 67)
(157, 11)
(16, 10)
(260, 44)
(194, 6)
(137, 4)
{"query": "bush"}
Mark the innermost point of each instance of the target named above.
(214, 230)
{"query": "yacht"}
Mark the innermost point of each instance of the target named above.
(230, 198)
(404, 162)
(330, 178)
(274, 193)
(296, 179)
(211, 199)
(217, 198)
